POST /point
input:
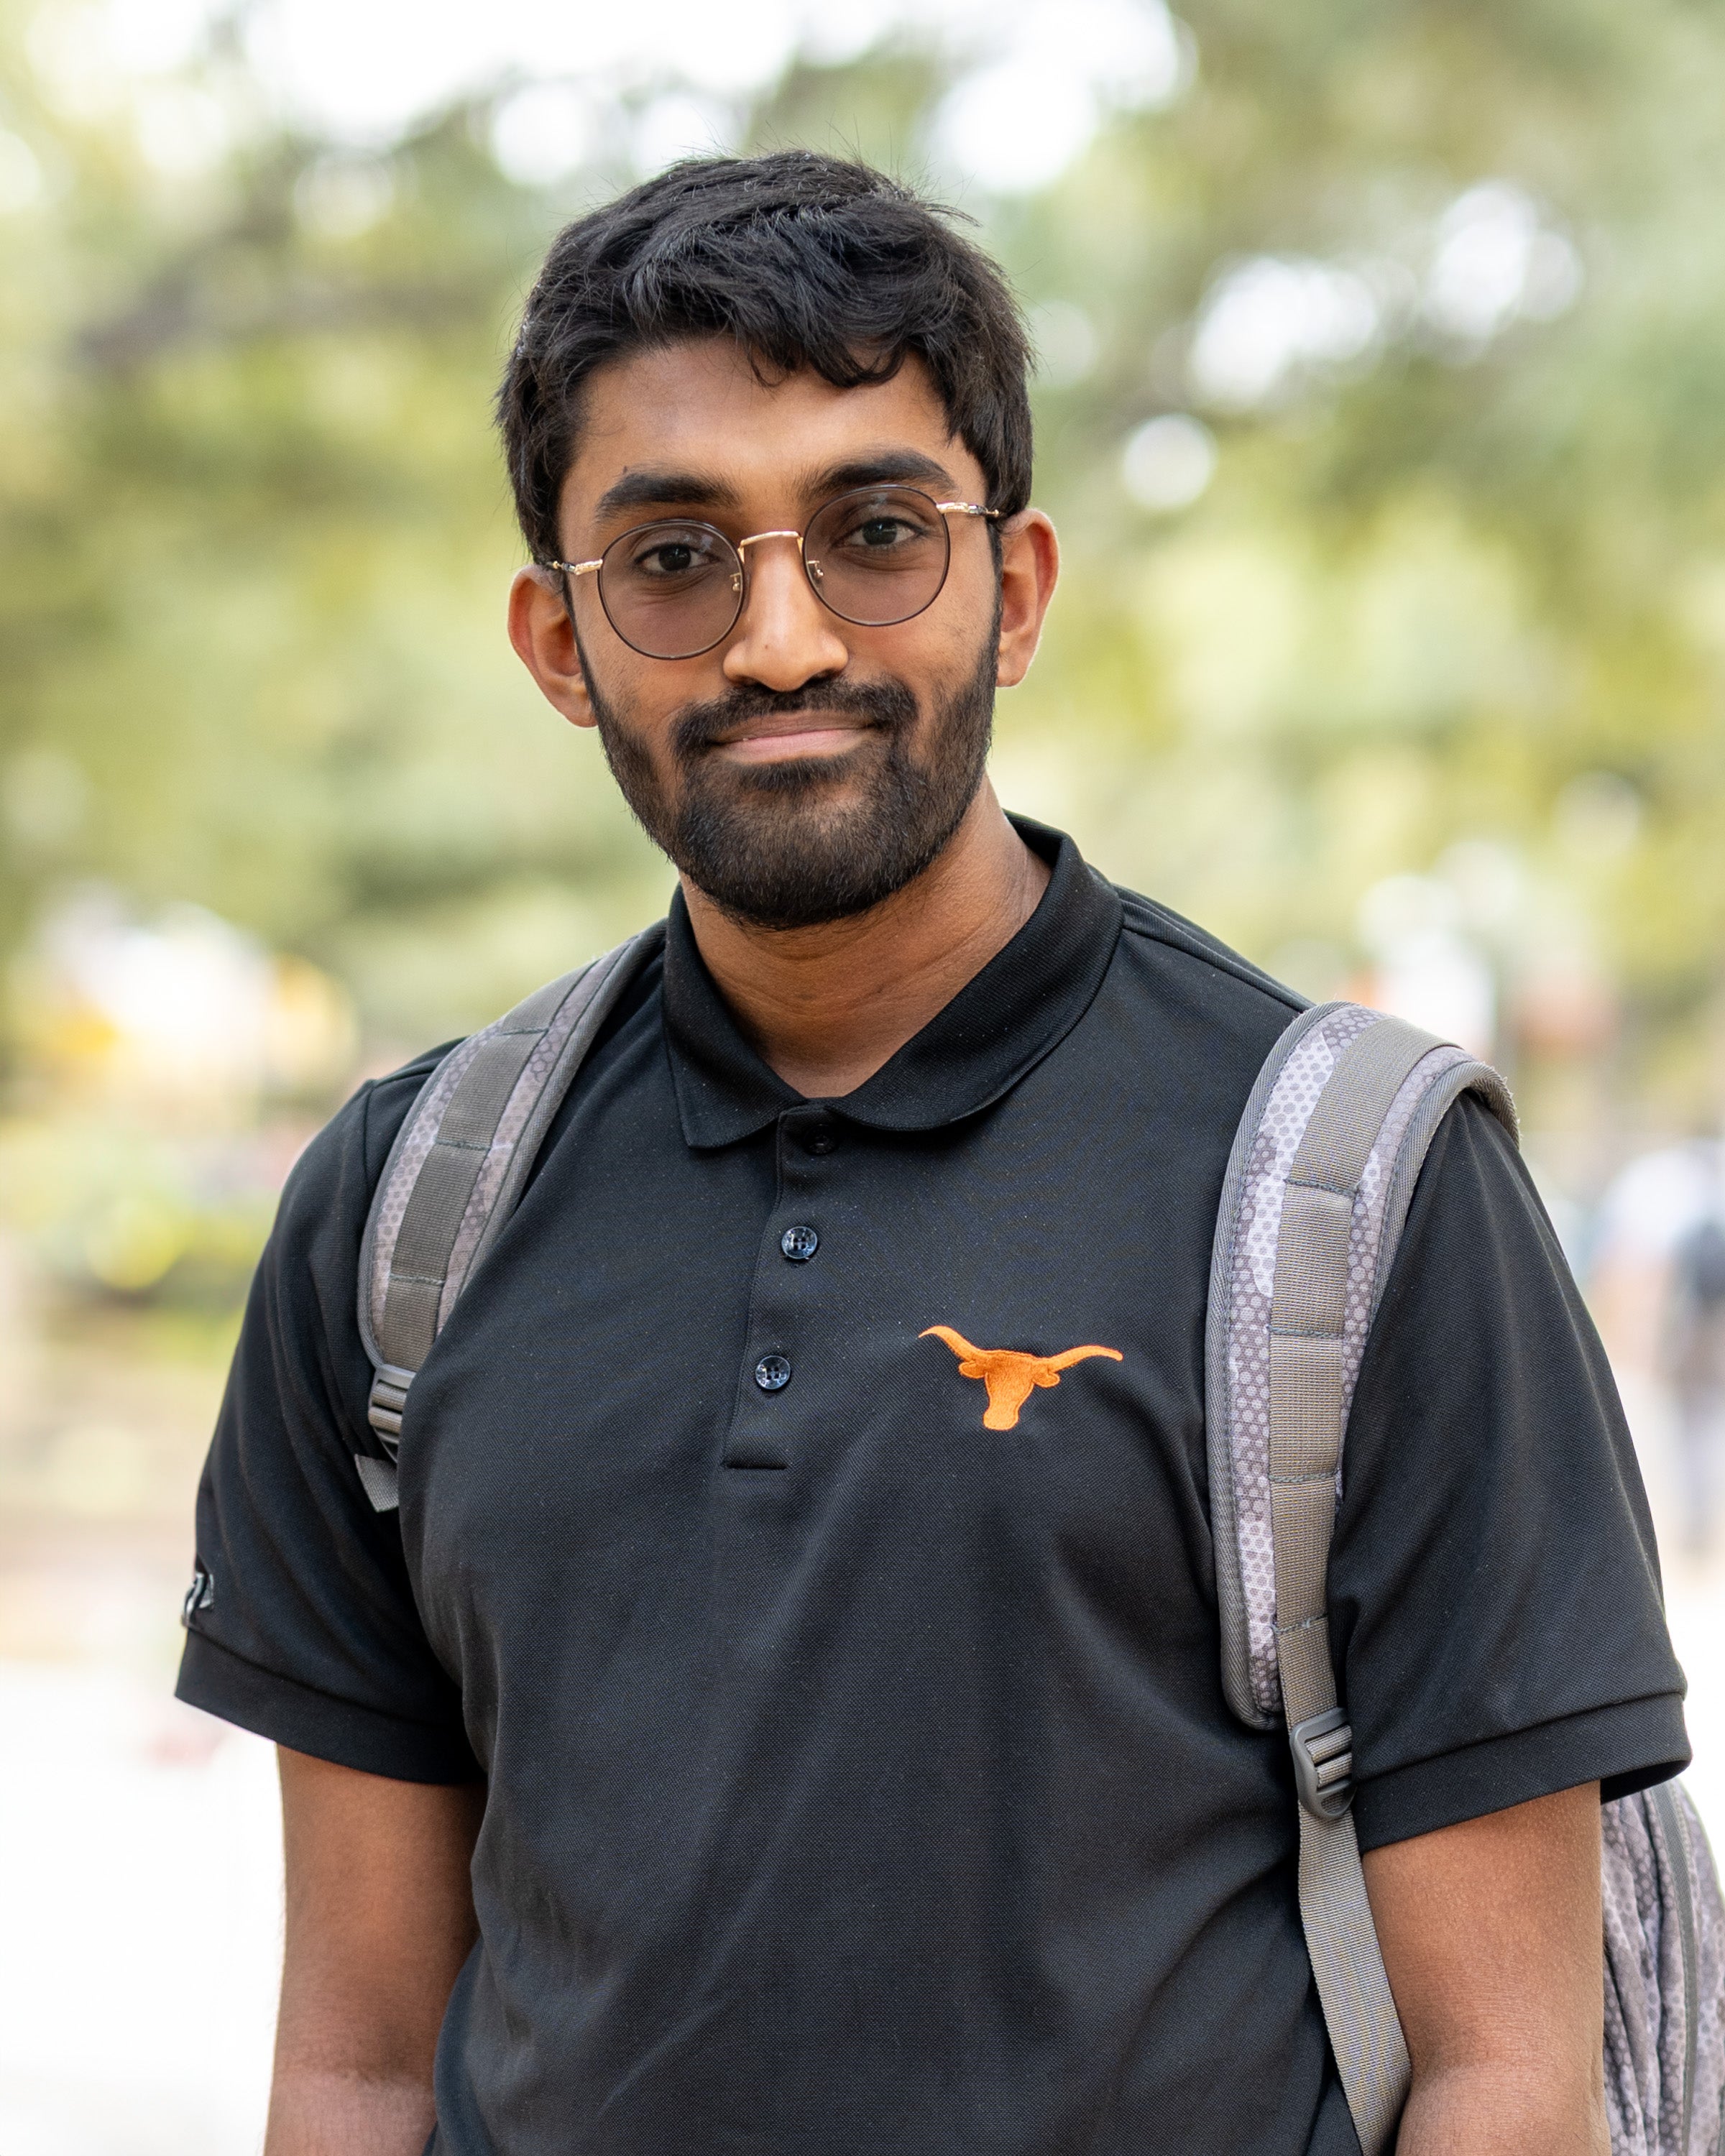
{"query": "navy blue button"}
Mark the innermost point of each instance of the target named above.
(800, 1245)
(819, 1135)
(773, 1373)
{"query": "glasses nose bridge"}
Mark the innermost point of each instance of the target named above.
(754, 539)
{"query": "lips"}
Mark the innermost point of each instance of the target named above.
(798, 733)
(819, 720)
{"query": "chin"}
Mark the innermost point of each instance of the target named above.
(791, 776)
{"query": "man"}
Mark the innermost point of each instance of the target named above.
(760, 1729)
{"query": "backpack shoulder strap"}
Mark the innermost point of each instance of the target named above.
(1313, 1204)
(456, 1171)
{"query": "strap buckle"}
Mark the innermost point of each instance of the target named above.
(1323, 1747)
(389, 1396)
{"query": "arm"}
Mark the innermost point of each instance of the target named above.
(1491, 1933)
(379, 1921)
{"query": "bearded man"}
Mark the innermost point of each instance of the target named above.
(783, 1714)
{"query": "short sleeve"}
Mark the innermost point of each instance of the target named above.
(303, 1626)
(1494, 1599)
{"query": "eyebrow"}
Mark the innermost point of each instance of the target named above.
(891, 466)
(662, 487)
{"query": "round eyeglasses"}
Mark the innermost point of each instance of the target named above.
(875, 556)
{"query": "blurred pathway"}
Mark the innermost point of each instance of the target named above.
(139, 1899)
(140, 1840)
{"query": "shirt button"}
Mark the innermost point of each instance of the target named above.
(773, 1373)
(800, 1245)
(821, 1136)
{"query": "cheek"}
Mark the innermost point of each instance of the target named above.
(966, 608)
(642, 697)
(938, 651)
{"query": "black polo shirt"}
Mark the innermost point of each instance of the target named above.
(860, 1779)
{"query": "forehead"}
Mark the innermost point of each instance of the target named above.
(697, 406)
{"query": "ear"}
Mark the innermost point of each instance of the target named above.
(544, 639)
(1030, 567)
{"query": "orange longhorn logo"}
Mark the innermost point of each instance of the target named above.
(1009, 1374)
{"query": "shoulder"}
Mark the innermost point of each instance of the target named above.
(1203, 1000)
(1475, 1190)
(302, 1311)
(383, 1103)
(1184, 949)
(340, 1168)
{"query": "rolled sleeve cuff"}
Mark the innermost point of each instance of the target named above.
(1624, 1747)
(303, 1719)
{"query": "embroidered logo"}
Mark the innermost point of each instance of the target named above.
(200, 1595)
(1010, 1374)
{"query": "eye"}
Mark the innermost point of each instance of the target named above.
(881, 531)
(668, 558)
(667, 554)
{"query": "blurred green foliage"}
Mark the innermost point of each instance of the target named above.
(1459, 577)
(108, 1211)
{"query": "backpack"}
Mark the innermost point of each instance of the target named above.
(1316, 1193)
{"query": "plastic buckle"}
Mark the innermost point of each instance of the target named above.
(389, 1396)
(1323, 1747)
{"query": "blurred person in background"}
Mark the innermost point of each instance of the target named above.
(1693, 1347)
(1657, 1279)
(771, 1721)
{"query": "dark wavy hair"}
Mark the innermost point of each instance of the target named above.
(804, 260)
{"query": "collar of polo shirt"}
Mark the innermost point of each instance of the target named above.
(1019, 1007)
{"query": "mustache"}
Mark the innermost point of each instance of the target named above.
(888, 705)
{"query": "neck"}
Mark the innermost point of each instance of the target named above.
(826, 1007)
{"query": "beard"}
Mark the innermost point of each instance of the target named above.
(769, 844)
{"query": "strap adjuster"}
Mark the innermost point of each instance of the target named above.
(1323, 1747)
(389, 1396)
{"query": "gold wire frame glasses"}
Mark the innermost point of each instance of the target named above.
(874, 556)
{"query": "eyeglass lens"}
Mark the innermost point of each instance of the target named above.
(674, 589)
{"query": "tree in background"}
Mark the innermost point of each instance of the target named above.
(1379, 413)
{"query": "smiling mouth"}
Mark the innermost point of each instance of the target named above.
(795, 734)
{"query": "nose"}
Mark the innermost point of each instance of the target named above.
(785, 636)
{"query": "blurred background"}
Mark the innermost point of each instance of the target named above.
(1382, 409)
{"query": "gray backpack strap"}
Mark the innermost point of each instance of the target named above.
(456, 1171)
(1316, 1196)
